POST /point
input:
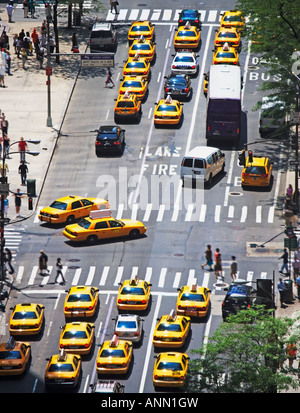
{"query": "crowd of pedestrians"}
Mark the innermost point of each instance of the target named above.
(215, 263)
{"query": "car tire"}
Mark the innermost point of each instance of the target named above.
(92, 239)
(70, 219)
(134, 233)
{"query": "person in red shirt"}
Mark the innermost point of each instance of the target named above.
(22, 149)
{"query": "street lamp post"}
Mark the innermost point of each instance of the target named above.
(4, 191)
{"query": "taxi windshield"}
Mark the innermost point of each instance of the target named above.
(112, 353)
(132, 83)
(74, 298)
(227, 34)
(169, 327)
(168, 365)
(140, 28)
(24, 315)
(233, 18)
(168, 108)
(136, 65)
(141, 47)
(133, 290)
(59, 205)
(84, 223)
(186, 33)
(74, 334)
(61, 367)
(192, 297)
(10, 355)
(228, 55)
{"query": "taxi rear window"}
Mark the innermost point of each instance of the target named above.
(138, 65)
(256, 170)
(25, 315)
(192, 297)
(141, 47)
(135, 291)
(169, 108)
(131, 83)
(227, 34)
(123, 104)
(67, 367)
(10, 355)
(169, 327)
(186, 33)
(228, 55)
(74, 334)
(140, 28)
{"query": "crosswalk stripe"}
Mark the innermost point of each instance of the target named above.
(244, 214)
(33, 275)
(119, 276)
(176, 280)
(167, 15)
(148, 274)
(212, 15)
(76, 276)
(161, 212)
(202, 213)
(91, 274)
(145, 14)
(104, 275)
(133, 14)
(191, 277)
(155, 15)
(162, 277)
(217, 213)
(258, 213)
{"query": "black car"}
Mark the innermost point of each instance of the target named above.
(110, 139)
(239, 296)
(192, 16)
(178, 86)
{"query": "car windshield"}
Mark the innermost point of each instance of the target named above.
(233, 19)
(112, 352)
(193, 297)
(256, 170)
(227, 55)
(168, 365)
(168, 108)
(227, 34)
(189, 13)
(186, 33)
(24, 315)
(59, 205)
(111, 135)
(84, 223)
(140, 29)
(177, 81)
(123, 104)
(133, 290)
(169, 327)
(135, 65)
(74, 334)
(61, 367)
(10, 355)
(132, 83)
(184, 59)
(141, 47)
(74, 298)
(126, 324)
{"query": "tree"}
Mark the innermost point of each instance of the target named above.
(245, 355)
(273, 30)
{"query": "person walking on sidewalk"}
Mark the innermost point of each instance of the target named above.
(23, 170)
(22, 149)
(59, 272)
(113, 6)
(18, 197)
(109, 77)
(8, 258)
(43, 263)
(281, 289)
(297, 284)
(285, 261)
(208, 257)
(10, 9)
(233, 268)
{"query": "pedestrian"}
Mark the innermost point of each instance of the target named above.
(23, 170)
(285, 261)
(218, 263)
(2, 75)
(4, 169)
(289, 191)
(9, 9)
(233, 268)
(23, 57)
(34, 37)
(6, 142)
(59, 272)
(43, 263)
(6, 205)
(22, 149)
(8, 63)
(74, 42)
(4, 125)
(31, 8)
(18, 198)
(281, 289)
(8, 258)
(208, 257)
(296, 267)
(113, 6)
(297, 284)
(40, 56)
(25, 8)
(51, 44)
(109, 77)
(291, 352)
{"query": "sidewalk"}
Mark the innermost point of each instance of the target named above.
(24, 103)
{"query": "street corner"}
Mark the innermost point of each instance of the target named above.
(257, 249)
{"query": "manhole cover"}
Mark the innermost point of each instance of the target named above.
(74, 259)
(235, 193)
(74, 267)
(178, 255)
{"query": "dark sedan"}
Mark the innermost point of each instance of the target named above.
(192, 16)
(110, 139)
(178, 86)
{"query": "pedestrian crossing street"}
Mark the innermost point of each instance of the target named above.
(201, 213)
(106, 276)
(154, 15)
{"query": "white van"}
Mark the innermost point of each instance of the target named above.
(103, 37)
(270, 123)
(202, 162)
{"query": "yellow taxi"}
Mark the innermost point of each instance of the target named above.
(93, 228)
(171, 330)
(144, 47)
(134, 85)
(128, 106)
(205, 82)
(226, 55)
(187, 37)
(133, 294)
(26, 319)
(170, 369)
(63, 369)
(141, 28)
(257, 172)
(14, 357)
(137, 66)
(70, 208)
(233, 18)
(114, 356)
(81, 301)
(193, 301)
(230, 36)
(77, 337)
(168, 112)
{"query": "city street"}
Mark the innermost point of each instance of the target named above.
(144, 184)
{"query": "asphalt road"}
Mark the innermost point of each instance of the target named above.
(172, 251)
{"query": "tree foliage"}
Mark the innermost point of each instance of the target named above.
(245, 355)
(273, 30)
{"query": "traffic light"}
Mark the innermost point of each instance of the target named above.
(242, 158)
(30, 206)
(250, 156)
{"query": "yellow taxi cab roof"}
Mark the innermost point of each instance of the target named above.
(76, 325)
(80, 288)
(257, 161)
(26, 306)
(69, 198)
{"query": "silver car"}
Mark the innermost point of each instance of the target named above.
(129, 327)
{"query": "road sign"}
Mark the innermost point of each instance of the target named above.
(291, 243)
(98, 60)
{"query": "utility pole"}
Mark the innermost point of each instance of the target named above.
(48, 68)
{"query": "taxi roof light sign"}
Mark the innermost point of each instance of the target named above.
(168, 99)
(187, 25)
(142, 39)
(62, 355)
(114, 342)
(136, 57)
(134, 280)
(172, 315)
(194, 288)
(106, 213)
(226, 47)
